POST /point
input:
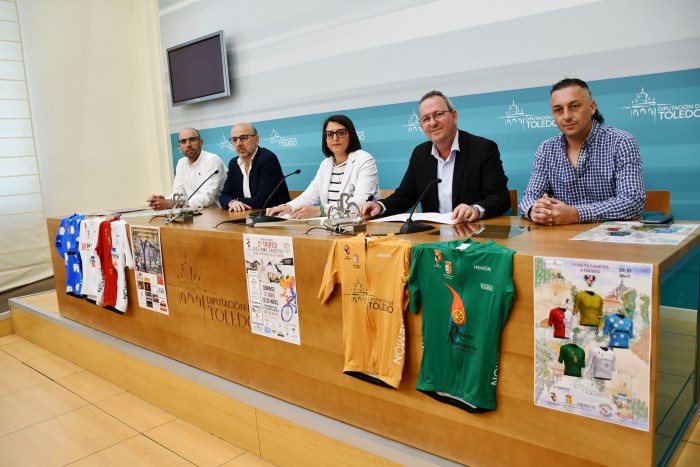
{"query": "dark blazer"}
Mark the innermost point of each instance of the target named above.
(264, 175)
(478, 179)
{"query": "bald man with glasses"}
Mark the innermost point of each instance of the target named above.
(192, 172)
(473, 185)
(253, 175)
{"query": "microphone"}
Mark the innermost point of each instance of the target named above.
(261, 217)
(412, 227)
(200, 186)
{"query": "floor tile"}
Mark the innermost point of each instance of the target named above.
(7, 359)
(88, 386)
(194, 444)
(678, 326)
(4, 340)
(64, 439)
(47, 301)
(17, 377)
(135, 412)
(24, 350)
(137, 451)
(678, 412)
(53, 366)
(247, 460)
(36, 404)
(694, 432)
(689, 456)
(661, 443)
(667, 390)
(676, 354)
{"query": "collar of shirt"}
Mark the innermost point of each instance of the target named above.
(588, 142)
(445, 171)
(246, 179)
(241, 162)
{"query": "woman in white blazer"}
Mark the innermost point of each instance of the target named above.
(346, 169)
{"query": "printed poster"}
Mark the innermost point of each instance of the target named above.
(636, 232)
(150, 282)
(271, 281)
(593, 338)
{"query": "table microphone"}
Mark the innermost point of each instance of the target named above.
(412, 227)
(261, 217)
(200, 186)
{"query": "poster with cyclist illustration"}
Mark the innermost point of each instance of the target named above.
(272, 289)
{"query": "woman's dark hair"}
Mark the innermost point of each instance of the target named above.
(567, 83)
(354, 143)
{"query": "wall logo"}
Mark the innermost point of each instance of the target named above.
(361, 135)
(224, 143)
(644, 106)
(413, 124)
(282, 141)
(515, 116)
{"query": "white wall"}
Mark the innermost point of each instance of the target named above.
(96, 91)
(309, 56)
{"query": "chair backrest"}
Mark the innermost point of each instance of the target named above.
(658, 201)
(293, 193)
(385, 193)
(513, 203)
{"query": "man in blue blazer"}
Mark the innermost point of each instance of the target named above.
(253, 174)
(473, 185)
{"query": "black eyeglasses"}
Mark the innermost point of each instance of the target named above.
(191, 139)
(242, 138)
(339, 133)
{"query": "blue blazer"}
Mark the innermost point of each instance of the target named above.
(264, 175)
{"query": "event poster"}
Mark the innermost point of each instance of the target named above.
(272, 290)
(593, 338)
(636, 232)
(150, 282)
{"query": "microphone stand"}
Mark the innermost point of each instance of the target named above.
(180, 209)
(261, 217)
(412, 227)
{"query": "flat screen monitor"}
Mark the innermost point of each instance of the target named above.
(198, 70)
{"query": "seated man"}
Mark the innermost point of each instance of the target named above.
(191, 171)
(473, 185)
(590, 172)
(253, 174)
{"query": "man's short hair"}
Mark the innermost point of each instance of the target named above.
(193, 129)
(252, 127)
(569, 82)
(430, 94)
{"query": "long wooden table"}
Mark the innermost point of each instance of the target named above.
(209, 328)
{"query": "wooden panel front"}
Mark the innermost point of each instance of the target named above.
(209, 328)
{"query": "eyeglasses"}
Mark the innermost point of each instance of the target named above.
(191, 139)
(339, 133)
(242, 138)
(439, 115)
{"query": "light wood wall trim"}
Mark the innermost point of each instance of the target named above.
(6, 324)
(146, 374)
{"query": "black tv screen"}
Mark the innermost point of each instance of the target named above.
(198, 69)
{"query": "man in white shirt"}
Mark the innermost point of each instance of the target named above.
(193, 171)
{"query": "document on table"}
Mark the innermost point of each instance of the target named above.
(438, 218)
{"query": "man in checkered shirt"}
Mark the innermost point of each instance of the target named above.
(590, 172)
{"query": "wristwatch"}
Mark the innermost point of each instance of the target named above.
(479, 210)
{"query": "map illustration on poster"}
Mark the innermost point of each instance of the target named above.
(593, 338)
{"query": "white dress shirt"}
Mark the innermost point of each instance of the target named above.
(189, 176)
